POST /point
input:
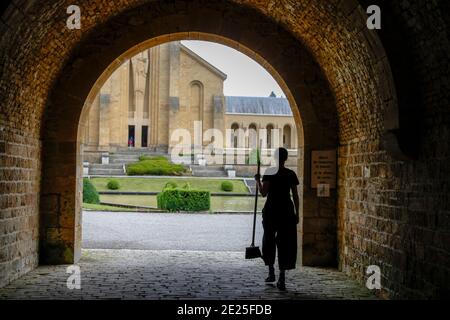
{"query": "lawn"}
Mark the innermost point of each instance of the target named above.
(157, 184)
(219, 203)
(101, 207)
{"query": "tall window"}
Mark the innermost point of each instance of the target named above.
(146, 109)
(252, 136)
(287, 136)
(234, 136)
(196, 99)
(131, 91)
(269, 129)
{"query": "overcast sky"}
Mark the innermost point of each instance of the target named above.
(245, 76)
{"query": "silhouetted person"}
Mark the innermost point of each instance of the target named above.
(280, 217)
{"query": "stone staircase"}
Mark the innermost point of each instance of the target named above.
(123, 158)
(118, 160)
(112, 169)
(130, 156)
(208, 171)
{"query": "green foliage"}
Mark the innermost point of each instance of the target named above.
(184, 200)
(90, 194)
(113, 185)
(144, 157)
(227, 186)
(156, 166)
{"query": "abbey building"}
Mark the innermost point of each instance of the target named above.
(170, 87)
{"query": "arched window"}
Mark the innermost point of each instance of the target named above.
(252, 136)
(196, 100)
(287, 136)
(269, 129)
(234, 135)
(131, 91)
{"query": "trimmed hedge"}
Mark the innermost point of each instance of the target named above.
(227, 186)
(156, 166)
(144, 157)
(90, 194)
(178, 199)
(113, 185)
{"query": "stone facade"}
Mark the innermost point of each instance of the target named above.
(135, 107)
(366, 93)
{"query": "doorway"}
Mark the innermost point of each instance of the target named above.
(131, 136)
(144, 139)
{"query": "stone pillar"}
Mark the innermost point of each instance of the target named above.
(155, 125)
(104, 125)
(174, 79)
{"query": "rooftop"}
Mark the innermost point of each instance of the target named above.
(258, 105)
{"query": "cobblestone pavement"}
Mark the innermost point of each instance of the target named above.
(133, 274)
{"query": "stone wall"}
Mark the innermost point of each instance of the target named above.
(396, 213)
(383, 88)
(19, 198)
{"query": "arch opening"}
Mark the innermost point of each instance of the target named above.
(46, 83)
(329, 253)
(306, 83)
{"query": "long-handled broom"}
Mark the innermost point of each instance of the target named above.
(253, 252)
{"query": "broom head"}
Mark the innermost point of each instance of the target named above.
(252, 253)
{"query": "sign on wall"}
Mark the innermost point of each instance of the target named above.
(323, 169)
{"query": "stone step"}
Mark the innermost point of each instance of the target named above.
(106, 172)
(122, 160)
(207, 168)
(125, 157)
(138, 153)
(209, 174)
(209, 171)
(106, 166)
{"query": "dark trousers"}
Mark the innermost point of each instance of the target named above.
(281, 236)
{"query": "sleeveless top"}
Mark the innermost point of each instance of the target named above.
(279, 202)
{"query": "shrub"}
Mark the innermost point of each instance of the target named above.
(90, 194)
(156, 166)
(113, 185)
(144, 157)
(227, 186)
(184, 200)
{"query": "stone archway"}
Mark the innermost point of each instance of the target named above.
(345, 95)
(285, 56)
(60, 250)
